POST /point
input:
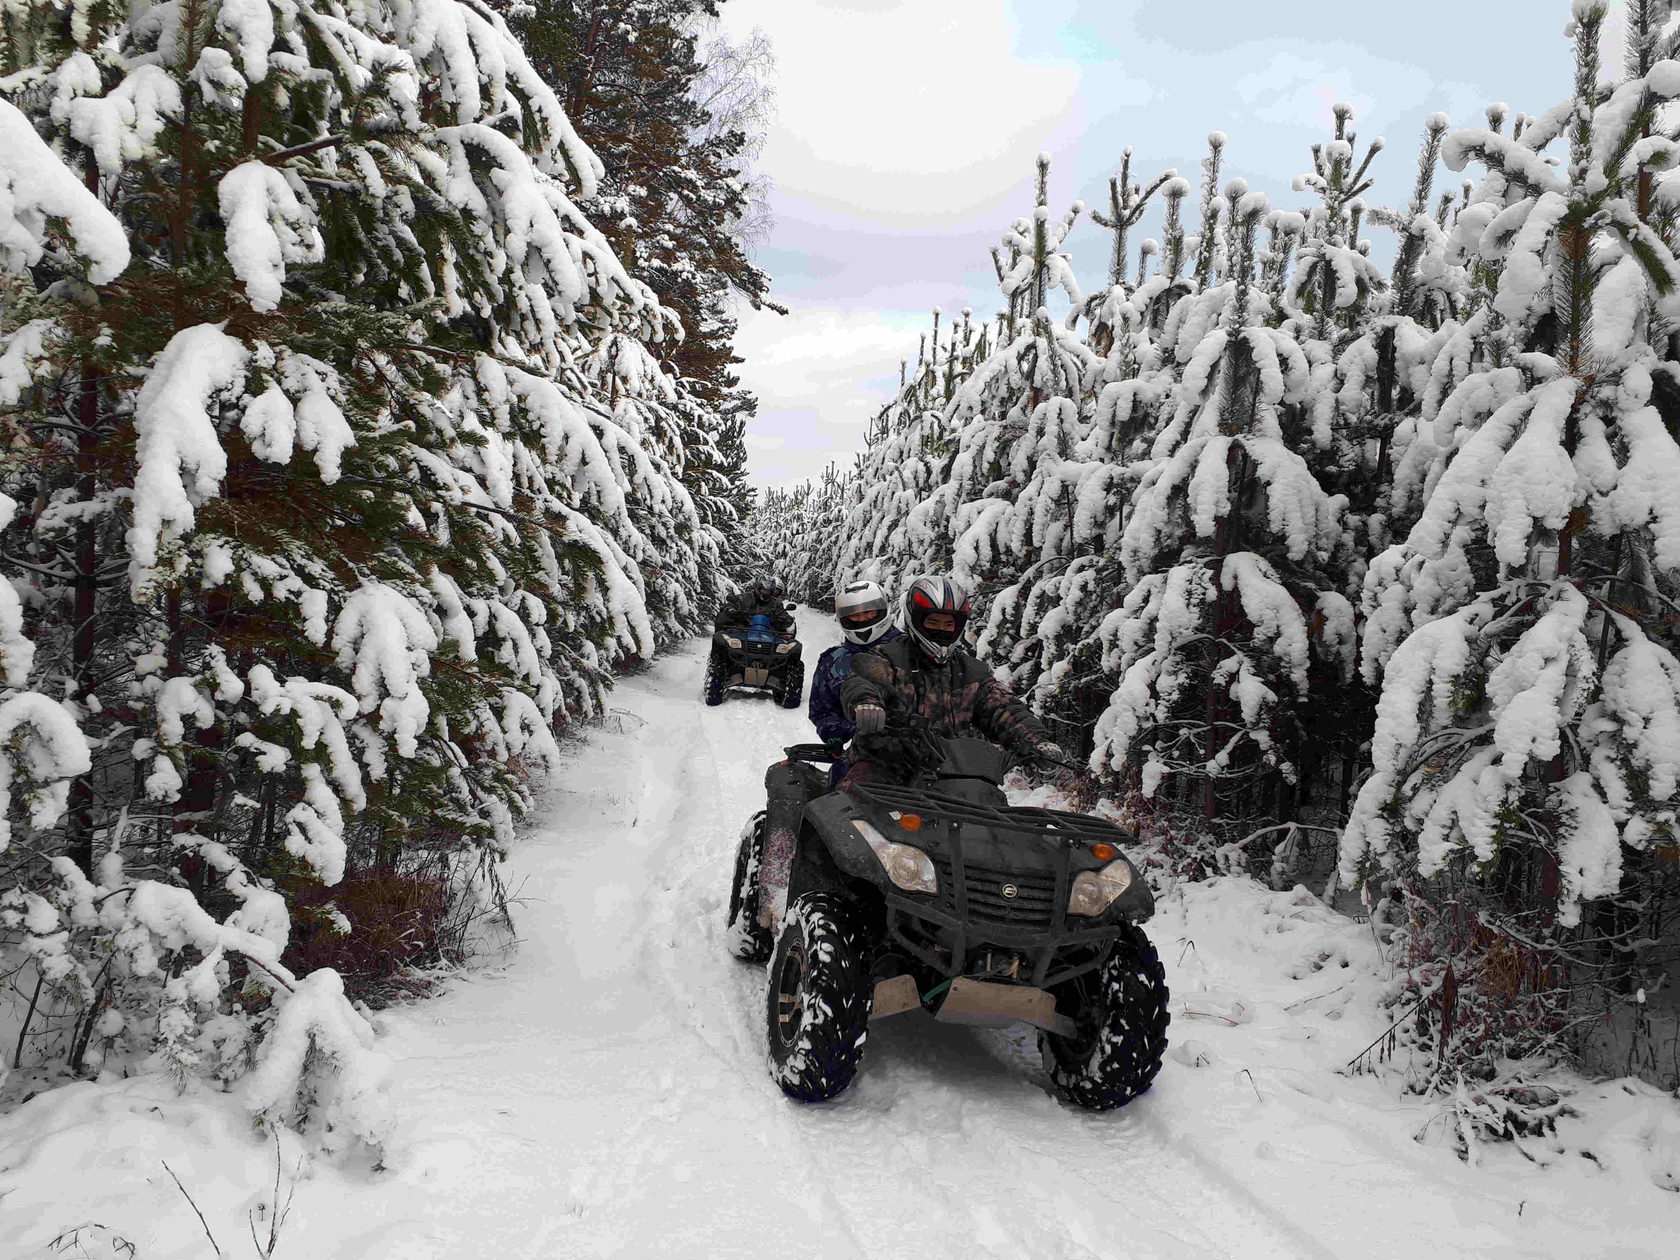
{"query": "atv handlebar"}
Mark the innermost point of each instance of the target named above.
(826, 753)
(919, 735)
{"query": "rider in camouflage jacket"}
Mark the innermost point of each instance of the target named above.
(957, 696)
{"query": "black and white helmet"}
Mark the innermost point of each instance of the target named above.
(864, 612)
(926, 596)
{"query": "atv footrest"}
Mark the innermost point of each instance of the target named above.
(999, 1005)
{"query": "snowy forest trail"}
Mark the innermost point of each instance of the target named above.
(605, 1093)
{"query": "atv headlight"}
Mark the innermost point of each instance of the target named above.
(907, 866)
(1095, 891)
(782, 649)
(732, 643)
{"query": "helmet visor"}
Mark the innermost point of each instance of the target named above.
(940, 628)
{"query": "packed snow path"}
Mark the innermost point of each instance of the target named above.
(610, 1095)
(605, 1093)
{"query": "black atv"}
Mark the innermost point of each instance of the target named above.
(944, 897)
(758, 657)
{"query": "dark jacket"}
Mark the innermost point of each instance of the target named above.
(959, 697)
(833, 668)
(745, 606)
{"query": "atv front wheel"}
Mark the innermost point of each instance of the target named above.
(1120, 1010)
(793, 691)
(714, 682)
(748, 939)
(819, 999)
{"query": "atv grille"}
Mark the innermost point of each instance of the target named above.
(1033, 905)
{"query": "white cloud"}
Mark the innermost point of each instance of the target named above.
(906, 108)
(820, 374)
(1298, 91)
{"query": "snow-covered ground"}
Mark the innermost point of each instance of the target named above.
(604, 1092)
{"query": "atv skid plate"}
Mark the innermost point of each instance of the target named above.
(976, 1002)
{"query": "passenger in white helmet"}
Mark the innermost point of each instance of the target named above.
(866, 621)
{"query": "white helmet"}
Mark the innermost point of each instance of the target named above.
(864, 612)
(926, 596)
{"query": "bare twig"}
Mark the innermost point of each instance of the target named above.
(278, 1211)
(191, 1204)
(17, 1057)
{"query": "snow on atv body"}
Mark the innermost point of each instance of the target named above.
(757, 658)
(941, 896)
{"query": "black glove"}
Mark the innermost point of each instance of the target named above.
(869, 719)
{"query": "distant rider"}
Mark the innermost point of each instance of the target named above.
(866, 621)
(762, 598)
(927, 674)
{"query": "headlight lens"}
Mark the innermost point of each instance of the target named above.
(1095, 891)
(907, 866)
(734, 643)
(782, 649)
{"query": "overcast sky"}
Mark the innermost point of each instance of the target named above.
(906, 132)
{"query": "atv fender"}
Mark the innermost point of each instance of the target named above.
(828, 822)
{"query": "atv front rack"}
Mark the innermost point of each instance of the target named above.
(1074, 829)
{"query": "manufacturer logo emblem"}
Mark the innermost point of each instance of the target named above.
(1009, 890)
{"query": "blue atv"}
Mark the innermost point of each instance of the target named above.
(757, 658)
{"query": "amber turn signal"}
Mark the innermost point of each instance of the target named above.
(1103, 852)
(910, 822)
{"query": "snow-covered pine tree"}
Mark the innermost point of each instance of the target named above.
(676, 113)
(678, 554)
(48, 212)
(1527, 746)
(799, 533)
(1229, 608)
(328, 530)
(1069, 511)
(1026, 404)
(896, 522)
(1335, 306)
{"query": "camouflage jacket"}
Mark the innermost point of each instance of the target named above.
(959, 697)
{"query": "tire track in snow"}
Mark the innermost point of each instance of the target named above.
(714, 991)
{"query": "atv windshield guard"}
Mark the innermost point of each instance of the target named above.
(973, 759)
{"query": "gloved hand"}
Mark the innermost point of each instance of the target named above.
(1052, 753)
(869, 719)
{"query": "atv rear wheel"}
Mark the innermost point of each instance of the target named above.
(747, 938)
(1121, 1012)
(819, 993)
(715, 674)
